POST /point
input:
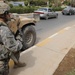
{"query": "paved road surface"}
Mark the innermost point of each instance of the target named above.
(44, 57)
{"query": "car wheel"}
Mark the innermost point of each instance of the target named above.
(63, 14)
(73, 13)
(29, 35)
(70, 13)
(46, 18)
(56, 16)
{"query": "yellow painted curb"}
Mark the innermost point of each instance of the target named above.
(11, 63)
(61, 31)
(44, 42)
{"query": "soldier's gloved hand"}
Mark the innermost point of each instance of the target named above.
(20, 39)
(19, 45)
(23, 46)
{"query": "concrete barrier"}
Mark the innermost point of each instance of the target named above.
(32, 15)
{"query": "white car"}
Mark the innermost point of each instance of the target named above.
(46, 12)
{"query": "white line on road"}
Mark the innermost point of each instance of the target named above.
(53, 35)
(67, 28)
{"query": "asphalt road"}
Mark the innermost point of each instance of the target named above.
(46, 28)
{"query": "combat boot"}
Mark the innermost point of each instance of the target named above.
(19, 64)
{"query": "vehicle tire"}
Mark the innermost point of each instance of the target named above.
(46, 18)
(63, 14)
(56, 16)
(30, 36)
(70, 13)
(73, 13)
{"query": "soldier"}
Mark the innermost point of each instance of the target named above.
(8, 45)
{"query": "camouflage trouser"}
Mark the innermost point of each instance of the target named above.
(17, 56)
(4, 68)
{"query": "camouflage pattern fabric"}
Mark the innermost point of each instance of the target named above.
(8, 39)
(4, 54)
(3, 7)
(9, 45)
(4, 68)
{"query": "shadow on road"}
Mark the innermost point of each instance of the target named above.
(29, 59)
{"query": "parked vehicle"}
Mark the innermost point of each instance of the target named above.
(23, 29)
(68, 10)
(46, 12)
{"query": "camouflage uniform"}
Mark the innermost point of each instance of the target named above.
(8, 45)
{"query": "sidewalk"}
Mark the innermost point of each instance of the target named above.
(44, 58)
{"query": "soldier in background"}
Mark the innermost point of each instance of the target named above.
(8, 45)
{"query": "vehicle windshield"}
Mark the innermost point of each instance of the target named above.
(68, 7)
(42, 9)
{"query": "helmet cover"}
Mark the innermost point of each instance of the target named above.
(4, 7)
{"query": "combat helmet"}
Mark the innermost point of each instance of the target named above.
(3, 7)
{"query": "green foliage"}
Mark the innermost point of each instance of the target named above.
(71, 72)
(38, 3)
(26, 3)
(11, 6)
(66, 2)
(19, 9)
(20, 5)
(34, 4)
(57, 8)
(50, 5)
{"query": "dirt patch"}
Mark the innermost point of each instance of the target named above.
(67, 64)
